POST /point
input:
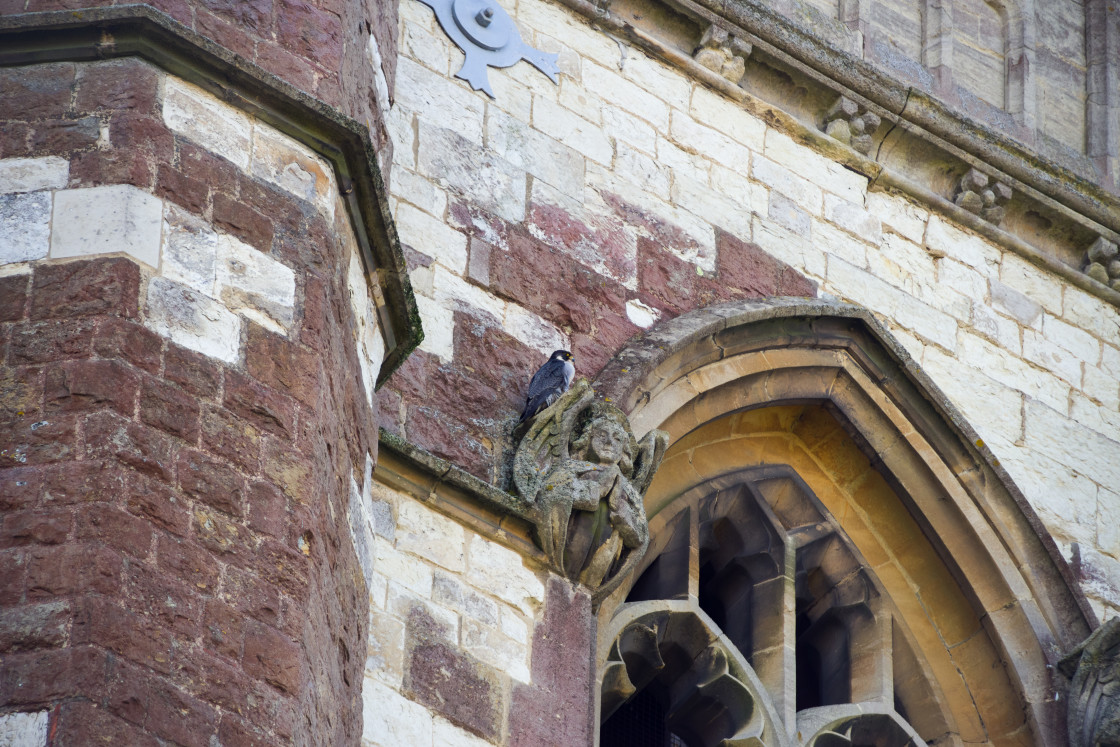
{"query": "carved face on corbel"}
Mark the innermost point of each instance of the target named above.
(582, 474)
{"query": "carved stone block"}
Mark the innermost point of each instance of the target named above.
(723, 53)
(582, 475)
(1102, 262)
(982, 195)
(851, 124)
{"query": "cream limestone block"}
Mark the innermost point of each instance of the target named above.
(994, 409)
(420, 44)
(430, 536)
(294, 168)
(1103, 388)
(580, 101)
(433, 237)
(424, 194)
(642, 171)
(439, 329)
(33, 174)
(533, 330)
(101, 220)
(378, 590)
(255, 285)
(731, 184)
(1092, 314)
(1065, 500)
(418, 14)
(708, 204)
(807, 195)
(399, 124)
(899, 215)
(1039, 285)
(514, 626)
(559, 22)
(1094, 415)
(438, 99)
(1072, 444)
(412, 573)
(946, 240)
(640, 314)
(377, 63)
(656, 78)
(190, 250)
(391, 720)
(568, 61)
(572, 130)
(1057, 360)
(1110, 360)
(611, 86)
(480, 174)
(193, 320)
(853, 219)
(1012, 371)
(692, 136)
(402, 601)
(496, 649)
(951, 273)
(543, 157)
(841, 244)
(680, 160)
(371, 343)
(447, 734)
(1108, 522)
(25, 227)
(1075, 340)
(729, 117)
(808, 164)
(512, 97)
(797, 252)
(449, 591)
(24, 729)
(454, 293)
(1007, 300)
(385, 648)
(216, 126)
(361, 534)
(501, 572)
(999, 329)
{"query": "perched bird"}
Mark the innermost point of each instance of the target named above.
(549, 382)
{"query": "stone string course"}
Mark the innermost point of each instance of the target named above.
(188, 352)
(578, 214)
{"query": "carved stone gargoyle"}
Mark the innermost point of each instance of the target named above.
(1093, 713)
(582, 475)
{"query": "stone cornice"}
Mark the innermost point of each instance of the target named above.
(474, 503)
(1076, 209)
(142, 31)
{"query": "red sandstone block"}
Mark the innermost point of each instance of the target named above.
(29, 442)
(231, 438)
(34, 678)
(272, 657)
(21, 393)
(35, 526)
(125, 85)
(311, 33)
(227, 33)
(91, 385)
(265, 408)
(115, 528)
(167, 407)
(184, 191)
(146, 134)
(129, 685)
(62, 137)
(293, 471)
(13, 576)
(285, 569)
(33, 626)
(193, 371)
(180, 717)
(430, 429)
(389, 414)
(202, 165)
(77, 722)
(36, 91)
(129, 341)
(13, 139)
(212, 481)
(51, 340)
(286, 366)
(223, 536)
(189, 562)
(20, 487)
(508, 359)
(72, 568)
(243, 222)
(157, 502)
(268, 509)
(216, 681)
(83, 288)
(296, 70)
(251, 595)
(140, 639)
(137, 446)
(154, 593)
(223, 629)
(88, 481)
(13, 296)
(313, 330)
(96, 168)
(235, 732)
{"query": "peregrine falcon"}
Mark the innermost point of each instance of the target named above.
(549, 382)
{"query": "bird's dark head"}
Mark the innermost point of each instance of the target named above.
(561, 355)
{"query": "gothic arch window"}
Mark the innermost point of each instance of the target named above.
(833, 560)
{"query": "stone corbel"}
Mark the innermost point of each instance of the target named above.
(1102, 262)
(582, 475)
(723, 53)
(1093, 710)
(851, 124)
(982, 195)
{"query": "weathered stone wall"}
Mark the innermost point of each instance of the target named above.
(468, 643)
(575, 215)
(189, 349)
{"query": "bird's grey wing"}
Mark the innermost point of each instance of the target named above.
(549, 378)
